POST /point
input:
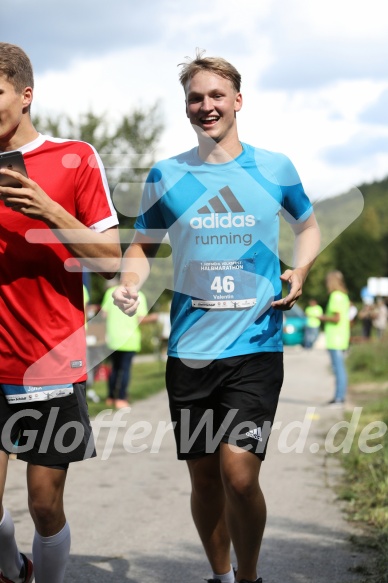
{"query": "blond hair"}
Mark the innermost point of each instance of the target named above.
(215, 65)
(335, 282)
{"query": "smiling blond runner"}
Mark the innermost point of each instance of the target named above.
(220, 203)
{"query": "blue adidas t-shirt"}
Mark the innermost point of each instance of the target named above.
(223, 225)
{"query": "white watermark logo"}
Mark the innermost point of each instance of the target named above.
(114, 431)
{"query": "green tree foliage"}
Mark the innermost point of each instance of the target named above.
(376, 197)
(359, 255)
(360, 251)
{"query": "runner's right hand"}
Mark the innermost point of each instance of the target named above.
(126, 297)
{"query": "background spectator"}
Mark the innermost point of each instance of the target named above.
(366, 315)
(337, 331)
(380, 317)
(313, 324)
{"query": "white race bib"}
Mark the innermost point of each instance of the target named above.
(30, 393)
(223, 285)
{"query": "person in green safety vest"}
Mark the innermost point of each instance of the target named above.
(313, 323)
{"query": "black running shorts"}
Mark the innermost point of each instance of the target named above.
(231, 400)
(53, 433)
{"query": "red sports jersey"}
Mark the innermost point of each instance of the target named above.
(42, 337)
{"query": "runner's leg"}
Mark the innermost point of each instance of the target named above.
(245, 507)
(10, 560)
(51, 546)
(208, 510)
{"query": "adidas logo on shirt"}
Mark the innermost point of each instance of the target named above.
(226, 205)
(255, 433)
(218, 206)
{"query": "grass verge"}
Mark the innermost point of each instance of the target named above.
(365, 486)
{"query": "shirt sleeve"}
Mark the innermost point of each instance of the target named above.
(296, 206)
(94, 205)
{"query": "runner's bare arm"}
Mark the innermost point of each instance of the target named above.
(135, 270)
(306, 249)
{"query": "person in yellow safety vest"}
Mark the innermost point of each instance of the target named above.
(313, 324)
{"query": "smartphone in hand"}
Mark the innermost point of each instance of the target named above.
(12, 161)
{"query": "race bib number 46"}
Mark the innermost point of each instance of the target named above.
(223, 285)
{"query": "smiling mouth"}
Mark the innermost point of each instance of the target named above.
(210, 120)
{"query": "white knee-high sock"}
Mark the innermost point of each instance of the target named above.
(10, 560)
(50, 556)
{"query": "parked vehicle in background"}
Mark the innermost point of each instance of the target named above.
(294, 323)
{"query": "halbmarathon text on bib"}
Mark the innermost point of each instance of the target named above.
(223, 285)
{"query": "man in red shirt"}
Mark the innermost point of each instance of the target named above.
(56, 221)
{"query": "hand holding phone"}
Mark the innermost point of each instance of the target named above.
(12, 161)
